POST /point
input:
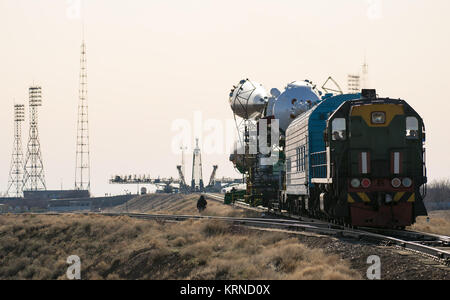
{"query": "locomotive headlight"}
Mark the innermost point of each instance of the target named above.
(407, 182)
(396, 182)
(365, 183)
(378, 117)
(355, 183)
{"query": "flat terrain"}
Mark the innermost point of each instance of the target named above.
(178, 204)
(37, 246)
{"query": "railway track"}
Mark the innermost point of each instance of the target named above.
(432, 245)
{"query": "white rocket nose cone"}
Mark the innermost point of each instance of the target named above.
(248, 99)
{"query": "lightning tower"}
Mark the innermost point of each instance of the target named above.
(15, 184)
(183, 169)
(184, 188)
(82, 169)
(365, 75)
(34, 178)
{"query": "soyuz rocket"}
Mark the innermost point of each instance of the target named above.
(250, 101)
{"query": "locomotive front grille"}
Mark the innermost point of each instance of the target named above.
(380, 168)
(380, 198)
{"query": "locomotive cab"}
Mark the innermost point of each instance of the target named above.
(376, 160)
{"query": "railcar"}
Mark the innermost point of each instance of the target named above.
(358, 159)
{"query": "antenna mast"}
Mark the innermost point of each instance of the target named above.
(82, 169)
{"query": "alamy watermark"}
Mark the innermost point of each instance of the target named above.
(374, 271)
(374, 9)
(73, 10)
(74, 270)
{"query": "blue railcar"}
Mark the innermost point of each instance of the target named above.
(305, 145)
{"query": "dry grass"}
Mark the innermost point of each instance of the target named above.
(36, 247)
(439, 223)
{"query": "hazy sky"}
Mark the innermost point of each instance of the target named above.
(152, 62)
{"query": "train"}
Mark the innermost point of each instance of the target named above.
(354, 159)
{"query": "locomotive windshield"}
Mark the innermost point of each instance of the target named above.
(412, 128)
(339, 129)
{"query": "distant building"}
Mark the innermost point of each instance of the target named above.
(55, 195)
(70, 205)
(60, 201)
(3, 208)
(19, 205)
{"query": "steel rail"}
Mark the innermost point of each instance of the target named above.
(296, 226)
(411, 240)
